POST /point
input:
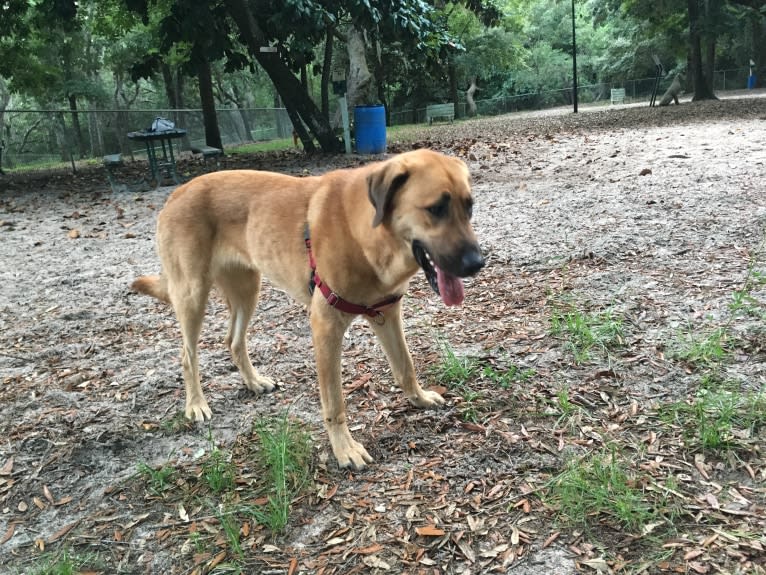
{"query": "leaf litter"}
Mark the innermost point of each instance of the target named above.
(655, 215)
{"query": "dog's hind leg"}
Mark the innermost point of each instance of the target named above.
(189, 300)
(391, 336)
(241, 288)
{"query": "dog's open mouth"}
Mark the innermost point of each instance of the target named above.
(448, 286)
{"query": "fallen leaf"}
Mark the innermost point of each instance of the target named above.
(7, 468)
(369, 550)
(375, 562)
(48, 494)
(74, 234)
(429, 531)
(598, 564)
(8, 533)
(63, 531)
(645, 172)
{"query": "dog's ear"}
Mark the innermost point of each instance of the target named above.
(382, 184)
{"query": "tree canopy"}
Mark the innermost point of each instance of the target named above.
(402, 53)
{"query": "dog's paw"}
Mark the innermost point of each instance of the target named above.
(260, 384)
(353, 456)
(426, 399)
(198, 410)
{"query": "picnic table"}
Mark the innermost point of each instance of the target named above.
(161, 159)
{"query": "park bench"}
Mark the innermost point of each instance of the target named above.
(440, 111)
(618, 95)
(208, 153)
(111, 163)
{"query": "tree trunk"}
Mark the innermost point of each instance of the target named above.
(76, 128)
(174, 85)
(327, 72)
(453, 92)
(209, 118)
(241, 105)
(298, 104)
(5, 98)
(359, 77)
(759, 47)
(702, 90)
(469, 97)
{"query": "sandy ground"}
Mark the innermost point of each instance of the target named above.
(654, 214)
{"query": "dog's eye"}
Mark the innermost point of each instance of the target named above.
(441, 208)
(469, 209)
(437, 210)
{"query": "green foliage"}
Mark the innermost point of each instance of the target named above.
(284, 458)
(158, 480)
(585, 333)
(719, 416)
(508, 377)
(705, 350)
(64, 562)
(599, 487)
(218, 470)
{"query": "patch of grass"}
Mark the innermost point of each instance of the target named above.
(285, 457)
(218, 470)
(719, 416)
(509, 376)
(599, 488)
(176, 424)
(455, 373)
(230, 525)
(266, 146)
(62, 563)
(157, 480)
(705, 350)
(587, 332)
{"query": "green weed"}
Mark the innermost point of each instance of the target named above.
(218, 470)
(509, 376)
(719, 415)
(453, 370)
(599, 488)
(586, 333)
(62, 563)
(455, 373)
(284, 456)
(703, 351)
(157, 480)
(230, 525)
(176, 424)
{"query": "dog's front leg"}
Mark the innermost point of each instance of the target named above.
(391, 336)
(327, 328)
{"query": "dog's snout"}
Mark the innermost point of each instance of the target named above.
(472, 262)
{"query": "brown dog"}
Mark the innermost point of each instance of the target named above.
(370, 229)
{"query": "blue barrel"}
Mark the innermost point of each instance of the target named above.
(751, 81)
(370, 129)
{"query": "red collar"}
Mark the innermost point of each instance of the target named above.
(335, 300)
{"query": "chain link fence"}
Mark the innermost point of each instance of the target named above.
(44, 139)
(47, 139)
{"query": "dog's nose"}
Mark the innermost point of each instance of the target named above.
(472, 262)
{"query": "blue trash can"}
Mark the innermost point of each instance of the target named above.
(370, 129)
(751, 81)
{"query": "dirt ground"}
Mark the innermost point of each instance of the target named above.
(654, 215)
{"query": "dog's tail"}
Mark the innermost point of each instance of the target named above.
(155, 286)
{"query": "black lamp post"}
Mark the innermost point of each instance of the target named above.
(574, 58)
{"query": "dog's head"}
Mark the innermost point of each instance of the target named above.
(424, 198)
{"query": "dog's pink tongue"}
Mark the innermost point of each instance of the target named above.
(450, 287)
